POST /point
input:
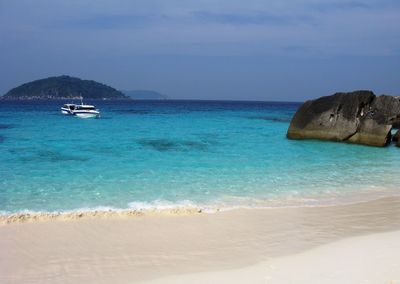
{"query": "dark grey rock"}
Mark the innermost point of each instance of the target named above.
(396, 137)
(358, 117)
(386, 109)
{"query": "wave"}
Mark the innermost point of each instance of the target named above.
(98, 212)
(188, 207)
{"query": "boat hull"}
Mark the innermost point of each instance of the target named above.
(87, 114)
(63, 111)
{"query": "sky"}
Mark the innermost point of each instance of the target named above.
(274, 50)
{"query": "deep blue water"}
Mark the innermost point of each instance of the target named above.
(164, 153)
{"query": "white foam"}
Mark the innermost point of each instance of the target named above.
(161, 205)
(225, 203)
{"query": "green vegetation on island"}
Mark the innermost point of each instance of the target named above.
(63, 87)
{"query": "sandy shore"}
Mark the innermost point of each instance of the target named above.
(364, 259)
(339, 244)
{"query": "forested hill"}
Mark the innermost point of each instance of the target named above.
(63, 87)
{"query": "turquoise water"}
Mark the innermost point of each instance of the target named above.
(156, 154)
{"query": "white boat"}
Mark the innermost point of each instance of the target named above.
(82, 111)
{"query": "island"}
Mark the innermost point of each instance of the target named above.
(64, 87)
(145, 95)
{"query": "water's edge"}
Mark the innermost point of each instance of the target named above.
(184, 209)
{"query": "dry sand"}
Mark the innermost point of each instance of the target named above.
(364, 259)
(338, 244)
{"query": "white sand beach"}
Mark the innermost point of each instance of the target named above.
(364, 259)
(355, 243)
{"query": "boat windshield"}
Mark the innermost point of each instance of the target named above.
(71, 107)
(85, 108)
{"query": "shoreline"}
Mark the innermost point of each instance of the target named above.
(130, 250)
(31, 217)
(186, 207)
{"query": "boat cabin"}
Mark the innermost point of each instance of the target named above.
(70, 106)
(85, 107)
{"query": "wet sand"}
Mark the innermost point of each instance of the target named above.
(166, 248)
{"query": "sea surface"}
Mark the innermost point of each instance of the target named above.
(166, 154)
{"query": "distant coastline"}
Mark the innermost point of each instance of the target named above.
(63, 87)
(39, 98)
(144, 95)
(72, 88)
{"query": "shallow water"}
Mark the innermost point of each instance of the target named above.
(164, 153)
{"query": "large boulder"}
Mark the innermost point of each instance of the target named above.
(396, 138)
(386, 109)
(357, 117)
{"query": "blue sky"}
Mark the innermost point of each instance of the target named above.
(248, 50)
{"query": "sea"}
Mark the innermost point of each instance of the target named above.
(212, 155)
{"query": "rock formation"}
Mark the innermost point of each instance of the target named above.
(358, 117)
(396, 138)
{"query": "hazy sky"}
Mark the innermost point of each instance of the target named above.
(213, 49)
